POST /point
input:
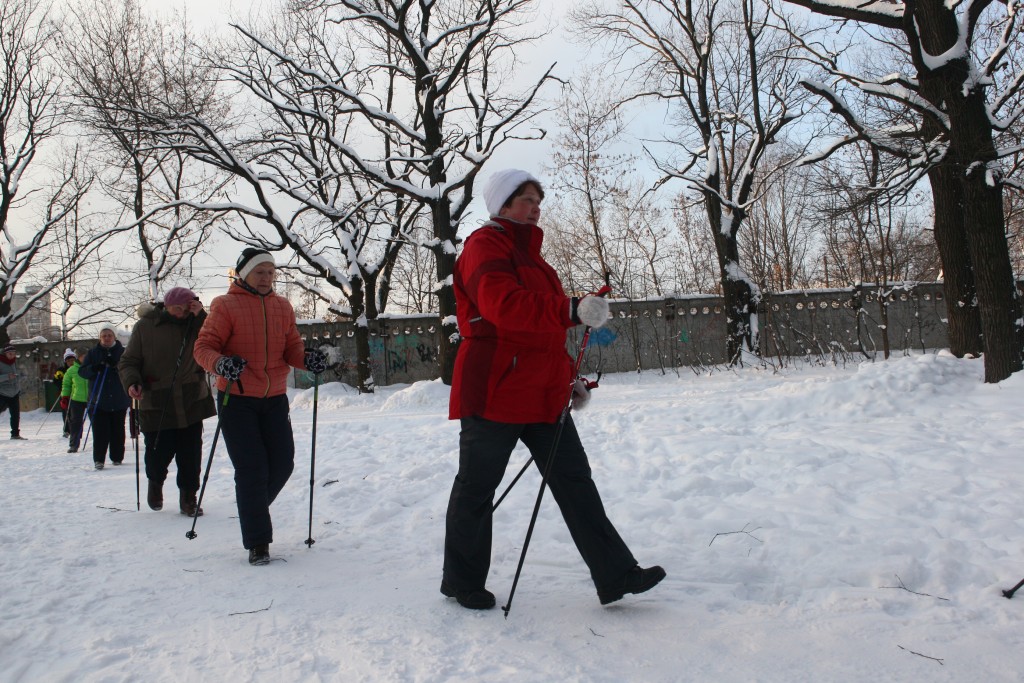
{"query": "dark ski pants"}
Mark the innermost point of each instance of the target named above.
(484, 450)
(258, 434)
(13, 404)
(108, 432)
(76, 421)
(184, 446)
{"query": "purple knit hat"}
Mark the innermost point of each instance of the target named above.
(179, 296)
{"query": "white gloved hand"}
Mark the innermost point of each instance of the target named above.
(592, 311)
(580, 394)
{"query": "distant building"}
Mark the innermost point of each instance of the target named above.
(38, 322)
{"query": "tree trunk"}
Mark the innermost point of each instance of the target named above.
(364, 370)
(740, 303)
(963, 316)
(444, 260)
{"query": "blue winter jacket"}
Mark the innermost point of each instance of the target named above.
(100, 368)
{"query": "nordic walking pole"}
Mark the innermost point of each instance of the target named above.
(312, 458)
(95, 403)
(1009, 593)
(47, 415)
(576, 371)
(191, 533)
(133, 428)
(547, 466)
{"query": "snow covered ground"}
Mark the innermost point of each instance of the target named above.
(816, 524)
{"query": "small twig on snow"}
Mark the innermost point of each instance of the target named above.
(595, 632)
(741, 531)
(934, 659)
(267, 608)
(103, 507)
(902, 586)
(329, 482)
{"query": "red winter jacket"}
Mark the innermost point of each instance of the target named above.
(512, 365)
(260, 329)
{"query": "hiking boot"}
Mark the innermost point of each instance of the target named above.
(155, 495)
(73, 449)
(187, 504)
(636, 580)
(18, 437)
(98, 465)
(474, 598)
(259, 554)
(117, 462)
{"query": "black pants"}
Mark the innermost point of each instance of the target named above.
(108, 432)
(484, 451)
(13, 404)
(258, 434)
(184, 446)
(76, 422)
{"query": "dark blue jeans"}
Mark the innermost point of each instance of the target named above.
(258, 435)
(484, 450)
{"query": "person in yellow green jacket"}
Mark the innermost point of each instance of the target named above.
(58, 377)
(74, 396)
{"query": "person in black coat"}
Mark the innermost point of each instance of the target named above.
(108, 403)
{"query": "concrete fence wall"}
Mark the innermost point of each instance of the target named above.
(642, 335)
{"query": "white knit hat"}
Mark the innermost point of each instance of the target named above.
(501, 185)
(108, 326)
(249, 259)
(68, 353)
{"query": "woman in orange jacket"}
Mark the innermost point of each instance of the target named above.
(251, 341)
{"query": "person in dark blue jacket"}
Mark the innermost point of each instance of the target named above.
(108, 404)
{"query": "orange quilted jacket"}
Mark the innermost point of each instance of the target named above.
(260, 329)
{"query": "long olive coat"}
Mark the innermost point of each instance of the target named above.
(160, 343)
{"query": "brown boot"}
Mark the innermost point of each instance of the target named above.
(188, 505)
(155, 495)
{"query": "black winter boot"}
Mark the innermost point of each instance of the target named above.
(259, 554)
(476, 598)
(155, 495)
(187, 503)
(17, 437)
(636, 580)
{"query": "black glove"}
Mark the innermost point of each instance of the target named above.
(230, 367)
(316, 361)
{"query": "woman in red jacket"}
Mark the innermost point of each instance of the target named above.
(511, 381)
(250, 339)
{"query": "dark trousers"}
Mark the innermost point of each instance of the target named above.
(184, 446)
(258, 434)
(484, 451)
(76, 421)
(13, 404)
(108, 432)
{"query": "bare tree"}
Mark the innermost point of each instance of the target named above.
(731, 73)
(777, 245)
(37, 203)
(871, 237)
(120, 62)
(962, 84)
(445, 110)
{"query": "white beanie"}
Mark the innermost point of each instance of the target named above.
(249, 259)
(108, 326)
(68, 353)
(501, 185)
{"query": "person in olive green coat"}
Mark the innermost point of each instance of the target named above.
(159, 372)
(74, 397)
